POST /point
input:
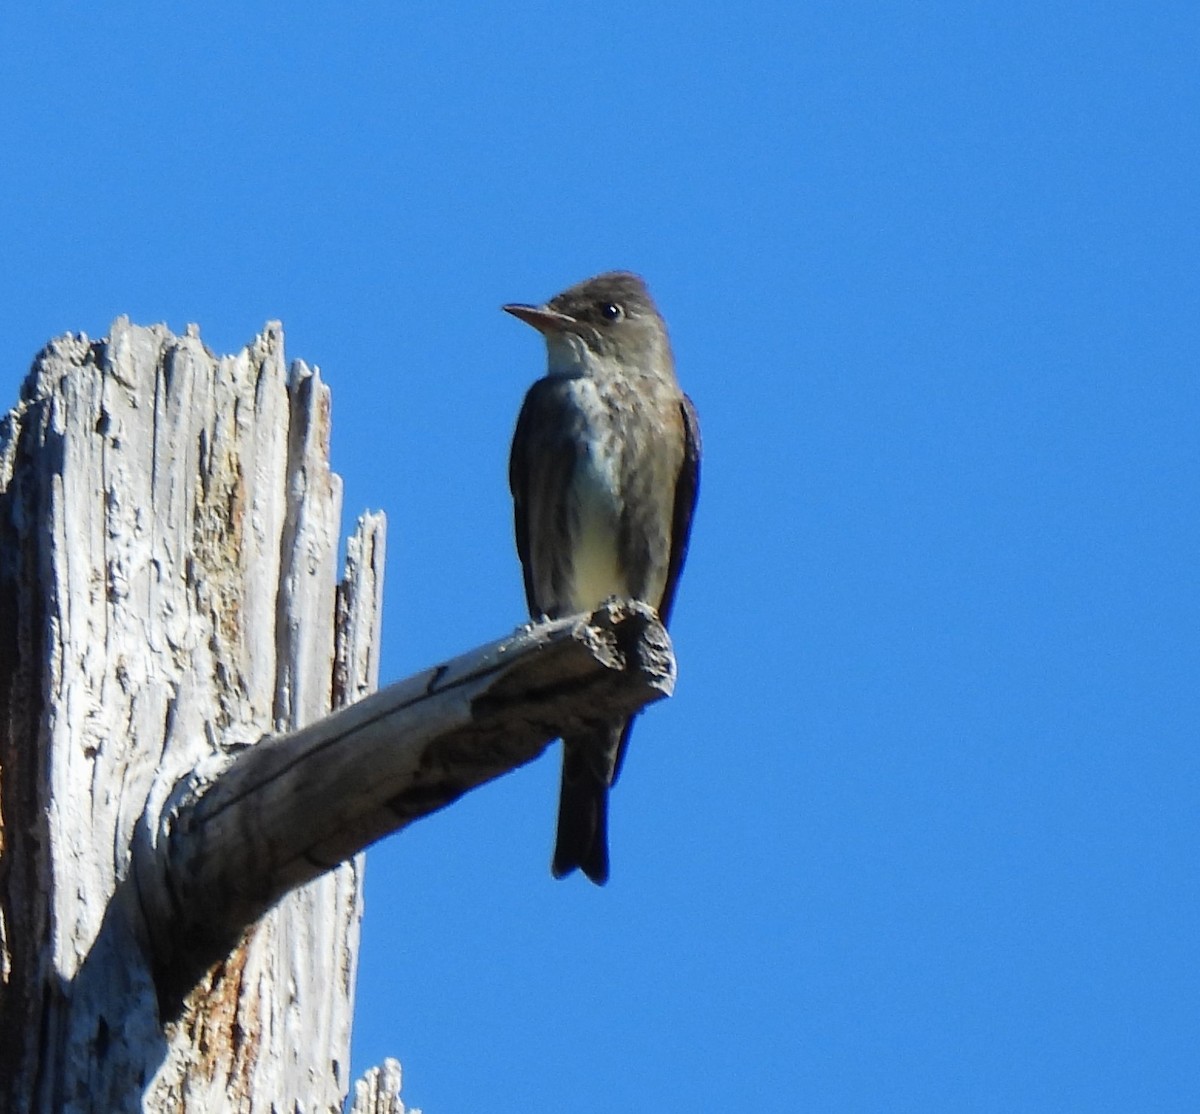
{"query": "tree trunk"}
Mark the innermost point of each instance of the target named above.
(168, 537)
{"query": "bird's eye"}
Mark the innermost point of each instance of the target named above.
(612, 311)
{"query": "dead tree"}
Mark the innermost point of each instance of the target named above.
(192, 753)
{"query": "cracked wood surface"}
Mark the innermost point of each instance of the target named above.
(168, 594)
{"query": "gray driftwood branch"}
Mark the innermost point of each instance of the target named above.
(285, 810)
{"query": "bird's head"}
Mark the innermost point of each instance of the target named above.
(603, 320)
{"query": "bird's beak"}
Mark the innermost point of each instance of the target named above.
(542, 318)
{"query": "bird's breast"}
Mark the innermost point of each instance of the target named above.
(595, 495)
(608, 532)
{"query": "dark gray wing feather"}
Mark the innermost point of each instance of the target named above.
(687, 488)
(544, 455)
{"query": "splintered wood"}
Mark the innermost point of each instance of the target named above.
(168, 539)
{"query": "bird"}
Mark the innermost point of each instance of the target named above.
(604, 473)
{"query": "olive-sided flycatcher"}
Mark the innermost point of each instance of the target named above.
(604, 472)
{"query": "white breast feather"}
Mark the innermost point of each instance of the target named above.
(595, 570)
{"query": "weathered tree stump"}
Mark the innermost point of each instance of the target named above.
(181, 816)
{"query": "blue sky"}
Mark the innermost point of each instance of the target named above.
(918, 831)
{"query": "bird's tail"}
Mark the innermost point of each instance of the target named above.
(589, 762)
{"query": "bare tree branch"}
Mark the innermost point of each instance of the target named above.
(285, 810)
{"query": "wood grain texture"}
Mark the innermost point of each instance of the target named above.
(168, 538)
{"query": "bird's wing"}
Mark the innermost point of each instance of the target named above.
(687, 487)
(540, 467)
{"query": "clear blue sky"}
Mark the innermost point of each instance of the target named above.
(919, 830)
